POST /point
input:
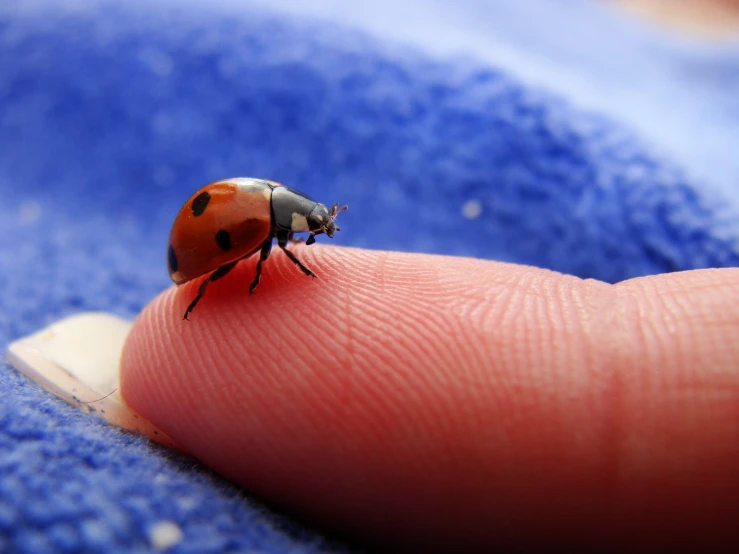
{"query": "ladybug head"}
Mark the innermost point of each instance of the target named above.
(321, 220)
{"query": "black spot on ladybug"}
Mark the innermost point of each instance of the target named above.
(223, 239)
(172, 259)
(200, 203)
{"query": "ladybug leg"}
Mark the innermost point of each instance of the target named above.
(297, 240)
(263, 255)
(282, 243)
(217, 274)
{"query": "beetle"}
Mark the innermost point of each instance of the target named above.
(232, 219)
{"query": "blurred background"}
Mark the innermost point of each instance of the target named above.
(598, 138)
(585, 138)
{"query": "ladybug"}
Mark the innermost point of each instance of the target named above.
(232, 219)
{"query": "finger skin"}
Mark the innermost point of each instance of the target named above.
(423, 400)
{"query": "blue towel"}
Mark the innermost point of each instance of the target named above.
(563, 135)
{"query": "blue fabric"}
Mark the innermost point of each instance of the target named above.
(592, 144)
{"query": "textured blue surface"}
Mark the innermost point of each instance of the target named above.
(110, 116)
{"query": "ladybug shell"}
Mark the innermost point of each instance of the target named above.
(222, 222)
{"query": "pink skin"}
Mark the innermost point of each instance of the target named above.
(405, 399)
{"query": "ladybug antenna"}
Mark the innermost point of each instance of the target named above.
(335, 210)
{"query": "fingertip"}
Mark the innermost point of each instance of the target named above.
(369, 385)
(436, 398)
